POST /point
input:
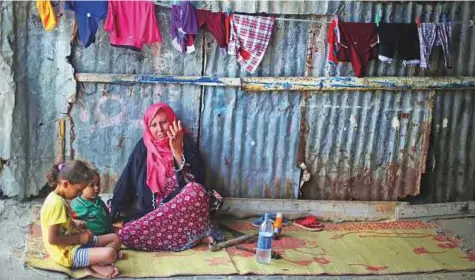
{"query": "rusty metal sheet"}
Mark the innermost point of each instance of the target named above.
(450, 170)
(366, 146)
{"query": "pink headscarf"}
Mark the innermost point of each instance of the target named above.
(159, 154)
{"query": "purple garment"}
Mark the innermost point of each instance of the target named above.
(183, 22)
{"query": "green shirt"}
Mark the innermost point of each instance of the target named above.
(94, 213)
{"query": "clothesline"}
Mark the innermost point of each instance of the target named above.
(470, 22)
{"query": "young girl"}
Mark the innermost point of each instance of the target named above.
(90, 208)
(64, 241)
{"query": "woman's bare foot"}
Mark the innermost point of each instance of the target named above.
(120, 255)
(104, 271)
(115, 273)
(207, 240)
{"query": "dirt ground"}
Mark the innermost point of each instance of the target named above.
(15, 218)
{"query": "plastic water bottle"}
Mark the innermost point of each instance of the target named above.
(264, 242)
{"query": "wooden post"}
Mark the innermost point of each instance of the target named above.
(61, 141)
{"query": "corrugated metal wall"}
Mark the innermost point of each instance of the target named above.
(366, 145)
(450, 158)
(108, 118)
(250, 140)
(44, 82)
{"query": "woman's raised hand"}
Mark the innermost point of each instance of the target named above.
(175, 136)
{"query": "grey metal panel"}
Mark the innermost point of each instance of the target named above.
(7, 97)
(250, 139)
(44, 82)
(450, 163)
(450, 170)
(108, 118)
(366, 146)
(271, 7)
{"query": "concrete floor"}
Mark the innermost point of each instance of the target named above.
(15, 217)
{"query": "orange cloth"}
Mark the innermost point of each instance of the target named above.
(46, 11)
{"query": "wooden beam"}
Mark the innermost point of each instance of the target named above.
(341, 211)
(436, 210)
(325, 210)
(154, 79)
(353, 83)
(255, 84)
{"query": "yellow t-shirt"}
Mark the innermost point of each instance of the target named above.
(55, 210)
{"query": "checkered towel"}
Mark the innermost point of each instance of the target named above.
(248, 39)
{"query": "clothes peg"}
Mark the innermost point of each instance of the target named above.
(336, 19)
(418, 21)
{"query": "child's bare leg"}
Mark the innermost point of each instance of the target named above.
(109, 240)
(101, 260)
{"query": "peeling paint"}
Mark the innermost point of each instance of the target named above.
(128, 79)
(362, 163)
(292, 83)
(353, 83)
(353, 121)
(445, 123)
(395, 122)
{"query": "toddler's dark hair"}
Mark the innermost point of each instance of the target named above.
(95, 173)
(76, 172)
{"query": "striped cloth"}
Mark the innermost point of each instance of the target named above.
(81, 256)
(249, 38)
(438, 34)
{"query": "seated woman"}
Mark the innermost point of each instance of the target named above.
(164, 173)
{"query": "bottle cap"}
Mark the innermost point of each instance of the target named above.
(279, 214)
(267, 215)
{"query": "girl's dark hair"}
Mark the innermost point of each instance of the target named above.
(76, 172)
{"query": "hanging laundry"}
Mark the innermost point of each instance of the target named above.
(214, 23)
(249, 38)
(227, 26)
(333, 38)
(88, 14)
(352, 42)
(183, 26)
(438, 34)
(402, 38)
(132, 24)
(47, 15)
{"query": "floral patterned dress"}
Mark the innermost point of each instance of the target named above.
(176, 225)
